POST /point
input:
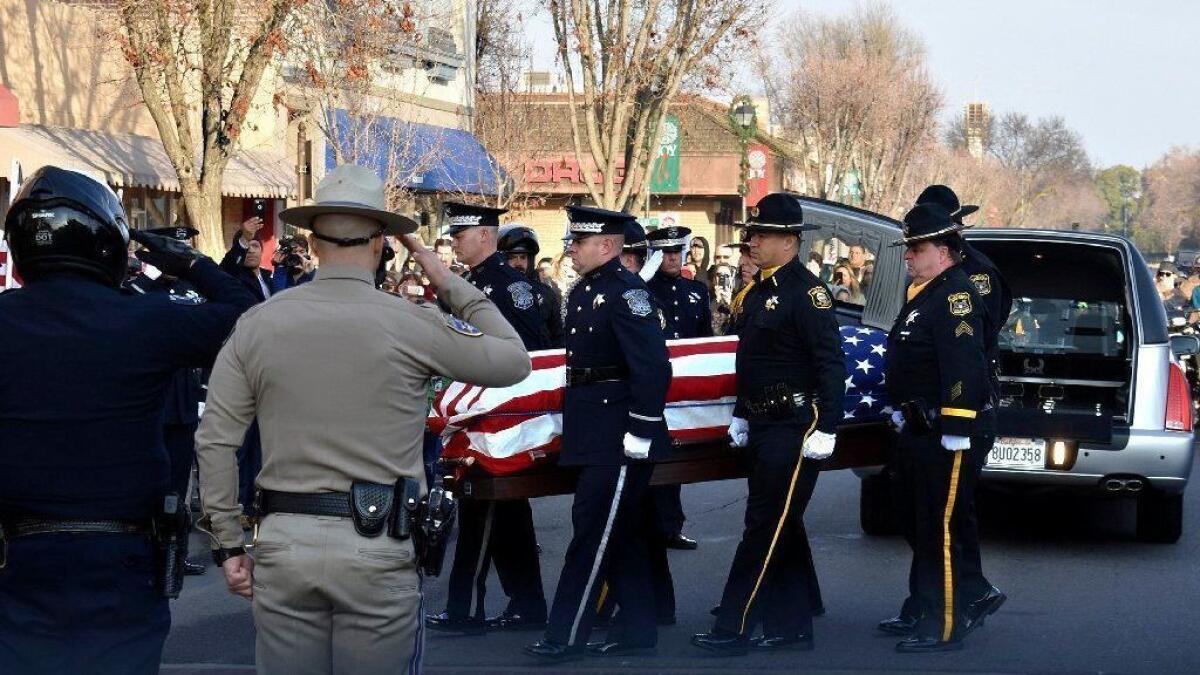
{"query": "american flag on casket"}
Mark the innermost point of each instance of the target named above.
(507, 430)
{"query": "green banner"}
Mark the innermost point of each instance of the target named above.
(664, 175)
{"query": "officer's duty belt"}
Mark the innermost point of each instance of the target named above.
(780, 406)
(578, 376)
(336, 504)
(24, 527)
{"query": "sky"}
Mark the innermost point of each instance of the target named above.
(1124, 74)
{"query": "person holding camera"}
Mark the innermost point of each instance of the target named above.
(293, 264)
(88, 554)
(334, 579)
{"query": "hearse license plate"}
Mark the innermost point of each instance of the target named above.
(1018, 453)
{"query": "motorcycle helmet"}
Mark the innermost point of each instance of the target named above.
(61, 221)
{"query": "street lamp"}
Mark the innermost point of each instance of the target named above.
(744, 119)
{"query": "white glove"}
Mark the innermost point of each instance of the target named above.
(955, 443)
(636, 447)
(819, 445)
(739, 432)
(897, 421)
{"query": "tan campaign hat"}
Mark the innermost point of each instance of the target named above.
(354, 190)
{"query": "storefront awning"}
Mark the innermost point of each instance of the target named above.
(128, 160)
(420, 157)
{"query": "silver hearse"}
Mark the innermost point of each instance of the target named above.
(1091, 397)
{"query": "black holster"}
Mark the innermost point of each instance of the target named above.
(431, 534)
(171, 525)
(916, 417)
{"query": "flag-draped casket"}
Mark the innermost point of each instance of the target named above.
(507, 430)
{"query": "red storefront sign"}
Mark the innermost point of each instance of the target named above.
(564, 170)
(758, 172)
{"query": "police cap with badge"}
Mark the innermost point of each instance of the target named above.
(930, 221)
(585, 221)
(668, 239)
(460, 216)
(174, 232)
(778, 212)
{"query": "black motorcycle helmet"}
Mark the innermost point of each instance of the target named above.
(64, 221)
(518, 239)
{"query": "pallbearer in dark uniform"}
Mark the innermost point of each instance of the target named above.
(790, 383)
(83, 472)
(181, 412)
(520, 247)
(618, 373)
(937, 377)
(984, 599)
(687, 313)
(499, 531)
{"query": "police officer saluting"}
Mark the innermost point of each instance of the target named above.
(334, 577)
(520, 247)
(86, 522)
(617, 375)
(982, 598)
(181, 414)
(937, 378)
(494, 530)
(790, 383)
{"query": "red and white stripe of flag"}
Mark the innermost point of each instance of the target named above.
(509, 429)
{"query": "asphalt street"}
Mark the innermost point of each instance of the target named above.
(1084, 596)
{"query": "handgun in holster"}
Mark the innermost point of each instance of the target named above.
(916, 416)
(171, 525)
(431, 531)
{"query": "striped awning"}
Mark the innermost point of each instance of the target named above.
(128, 160)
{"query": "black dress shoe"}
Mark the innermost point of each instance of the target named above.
(514, 621)
(680, 542)
(618, 649)
(925, 645)
(723, 643)
(796, 643)
(898, 625)
(193, 569)
(552, 651)
(455, 624)
(984, 607)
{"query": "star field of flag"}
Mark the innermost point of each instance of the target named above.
(866, 398)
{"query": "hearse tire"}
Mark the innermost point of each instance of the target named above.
(1159, 517)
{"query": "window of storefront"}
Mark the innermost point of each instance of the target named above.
(149, 208)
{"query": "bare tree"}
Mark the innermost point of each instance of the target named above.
(1045, 156)
(199, 65)
(1170, 209)
(853, 94)
(624, 62)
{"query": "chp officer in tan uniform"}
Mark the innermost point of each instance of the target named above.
(336, 373)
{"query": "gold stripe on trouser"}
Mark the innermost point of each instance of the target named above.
(947, 569)
(787, 505)
(603, 596)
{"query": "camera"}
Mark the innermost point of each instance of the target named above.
(293, 253)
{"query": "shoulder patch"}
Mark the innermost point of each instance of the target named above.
(983, 283)
(820, 297)
(639, 301)
(459, 326)
(522, 294)
(960, 304)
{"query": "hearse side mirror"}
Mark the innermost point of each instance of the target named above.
(1185, 345)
